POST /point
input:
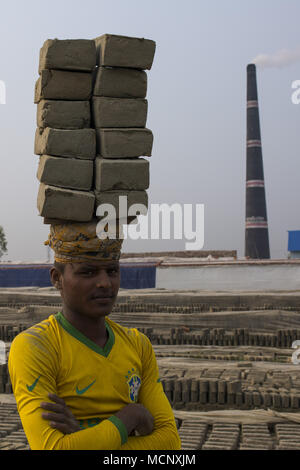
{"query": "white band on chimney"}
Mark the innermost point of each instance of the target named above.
(260, 225)
(253, 143)
(252, 104)
(255, 184)
(256, 222)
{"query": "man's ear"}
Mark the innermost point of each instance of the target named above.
(56, 278)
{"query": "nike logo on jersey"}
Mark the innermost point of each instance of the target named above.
(83, 390)
(31, 387)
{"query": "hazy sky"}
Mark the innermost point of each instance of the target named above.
(197, 110)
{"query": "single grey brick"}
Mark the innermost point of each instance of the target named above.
(119, 112)
(115, 174)
(69, 173)
(112, 197)
(63, 114)
(65, 204)
(76, 143)
(63, 85)
(118, 143)
(125, 51)
(120, 82)
(68, 54)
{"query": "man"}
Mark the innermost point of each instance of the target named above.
(102, 378)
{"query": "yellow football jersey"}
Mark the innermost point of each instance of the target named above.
(53, 356)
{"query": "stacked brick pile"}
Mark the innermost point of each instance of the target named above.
(198, 394)
(9, 332)
(223, 437)
(64, 138)
(119, 110)
(91, 117)
(5, 383)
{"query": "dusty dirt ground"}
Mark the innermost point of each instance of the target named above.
(225, 361)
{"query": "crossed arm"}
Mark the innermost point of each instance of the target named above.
(156, 431)
(135, 417)
(152, 417)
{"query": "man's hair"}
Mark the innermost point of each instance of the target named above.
(59, 266)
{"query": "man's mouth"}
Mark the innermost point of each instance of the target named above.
(102, 298)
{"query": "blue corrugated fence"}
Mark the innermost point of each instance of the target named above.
(132, 276)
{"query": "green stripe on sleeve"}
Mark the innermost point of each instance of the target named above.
(121, 428)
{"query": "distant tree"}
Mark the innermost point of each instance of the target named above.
(3, 242)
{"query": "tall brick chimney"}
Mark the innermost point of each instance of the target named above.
(256, 233)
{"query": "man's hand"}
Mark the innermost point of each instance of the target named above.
(61, 417)
(146, 422)
(136, 418)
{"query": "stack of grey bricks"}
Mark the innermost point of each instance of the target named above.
(119, 110)
(64, 138)
(91, 125)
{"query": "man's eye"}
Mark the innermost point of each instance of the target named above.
(113, 271)
(90, 273)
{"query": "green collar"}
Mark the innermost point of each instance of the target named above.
(81, 337)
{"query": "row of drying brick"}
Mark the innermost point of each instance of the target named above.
(220, 337)
(239, 436)
(76, 102)
(288, 436)
(223, 437)
(256, 436)
(12, 436)
(192, 434)
(204, 337)
(241, 358)
(8, 332)
(195, 434)
(5, 383)
(196, 393)
(196, 307)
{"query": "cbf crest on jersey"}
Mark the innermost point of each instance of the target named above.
(134, 382)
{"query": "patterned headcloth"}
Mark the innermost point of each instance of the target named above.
(78, 242)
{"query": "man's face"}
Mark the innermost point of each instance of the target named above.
(90, 289)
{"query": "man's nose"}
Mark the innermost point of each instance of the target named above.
(103, 279)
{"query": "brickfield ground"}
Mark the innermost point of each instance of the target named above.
(225, 362)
